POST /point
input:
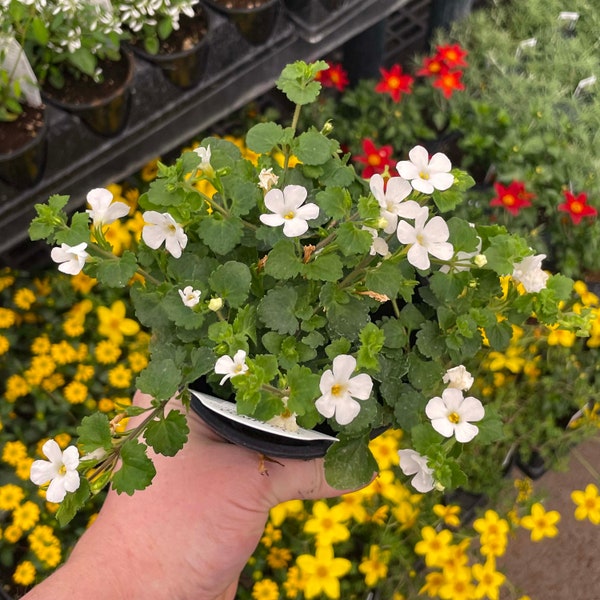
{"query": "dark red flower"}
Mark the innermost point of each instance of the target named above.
(432, 66)
(452, 56)
(334, 77)
(449, 81)
(513, 197)
(577, 207)
(375, 159)
(394, 82)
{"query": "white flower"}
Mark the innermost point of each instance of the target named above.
(288, 211)
(391, 200)
(340, 390)
(529, 272)
(426, 175)
(462, 261)
(459, 378)
(70, 258)
(451, 414)
(60, 470)
(161, 227)
(215, 304)
(412, 463)
(425, 238)
(204, 154)
(104, 211)
(379, 245)
(190, 296)
(267, 179)
(230, 367)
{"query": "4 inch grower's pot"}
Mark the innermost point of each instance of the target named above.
(254, 19)
(183, 56)
(23, 148)
(103, 107)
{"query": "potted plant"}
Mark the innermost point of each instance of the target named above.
(171, 34)
(531, 117)
(308, 295)
(75, 52)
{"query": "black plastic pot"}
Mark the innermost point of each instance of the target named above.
(184, 68)
(256, 24)
(105, 115)
(23, 168)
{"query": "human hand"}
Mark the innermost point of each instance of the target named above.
(190, 533)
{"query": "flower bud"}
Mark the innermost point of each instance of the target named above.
(215, 304)
(480, 260)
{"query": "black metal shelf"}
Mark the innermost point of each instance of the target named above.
(163, 116)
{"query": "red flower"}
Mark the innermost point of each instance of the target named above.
(432, 66)
(375, 159)
(394, 82)
(335, 77)
(513, 198)
(448, 81)
(452, 56)
(577, 207)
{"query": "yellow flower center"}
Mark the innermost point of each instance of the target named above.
(337, 389)
(454, 418)
(290, 215)
(424, 175)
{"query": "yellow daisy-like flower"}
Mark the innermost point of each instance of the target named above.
(266, 589)
(385, 448)
(13, 452)
(16, 387)
(114, 324)
(107, 352)
(448, 513)
(73, 327)
(12, 534)
(26, 515)
(434, 546)
(4, 345)
(328, 523)
(489, 580)
(24, 573)
(82, 283)
(323, 572)
(588, 504)
(294, 582)
(76, 392)
(24, 298)
(106, 405)
(271, 535)
(41, 345)
(6, 279)
(7, 318)
(291, 508)
(541, 523)
(137, 361)
(457, 585)
(561, 337)
(120, 377)
(52, 383)
(375, 566)
(64, 353)
(23, 468)
(279, 558)
(11, 496)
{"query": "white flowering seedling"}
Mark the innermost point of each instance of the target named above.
(307, 294)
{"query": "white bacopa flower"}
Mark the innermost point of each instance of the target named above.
(464, 260)
(60, 470)
(204, 154)
(104, 211)
(424, 174)
(379, 245)
(391, 200)
(161, 227)
(412, 463)
(288, 209)
(189, 296)
(267, 179)
(230, 367)
(425, 238)
(339, 390)
(451, 415)
(70, 259)
(459, 378)
(529, 272)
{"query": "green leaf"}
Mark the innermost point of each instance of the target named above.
(313, 148)
(117, 272)
(73, 502)
(160, 379)
(137, 470)
(283, 263)
(221, 235)
(297, 81)
(231, 281)
(277, 310)
(263, 137)
(371, 340)
(335, 202)
(324, 267)
(349, 464)
(353, 240)
(94, 432)
(168, 434)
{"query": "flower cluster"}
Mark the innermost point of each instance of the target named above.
(308, 294)
(67, 349)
